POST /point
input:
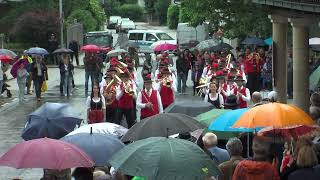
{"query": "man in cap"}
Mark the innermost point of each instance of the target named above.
(149, 100)
(242, 93)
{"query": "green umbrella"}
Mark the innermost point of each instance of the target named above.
(207, 117)
(160, 158)
(314, 79)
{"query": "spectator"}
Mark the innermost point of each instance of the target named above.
(90, 65)
(50, 174)
(52, 46)
(182, 71)
(273, 96)
(22, 75)
(39, 72)
(267, 73)
(290, 75)
(66, 72)
(256, 98)
(219, 155)
(259, 167)
(253, 70)
(82, 173)
(234, 147)
(74, 46)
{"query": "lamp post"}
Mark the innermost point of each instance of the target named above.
(61, 23)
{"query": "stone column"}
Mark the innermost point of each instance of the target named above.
(279, 60)
(300, 29)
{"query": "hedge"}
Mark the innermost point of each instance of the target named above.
(173, 16)
(132, 11)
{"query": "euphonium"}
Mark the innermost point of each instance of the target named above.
(166, 82)
(128, 88)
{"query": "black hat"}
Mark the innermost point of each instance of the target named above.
(231, 102)
(147, 78)
(239, 78)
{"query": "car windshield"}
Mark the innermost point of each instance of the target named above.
(164, 36)
(127, 23)
(102, 41)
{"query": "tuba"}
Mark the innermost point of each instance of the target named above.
(110, 91)
(128, 88)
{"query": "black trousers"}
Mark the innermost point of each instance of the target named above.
(254, 82)
(129, 115)
(76, 55)
(111, 115)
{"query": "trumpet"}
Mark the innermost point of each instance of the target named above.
(228, 60)
(128, 88)
(166, 82)
(203, 80)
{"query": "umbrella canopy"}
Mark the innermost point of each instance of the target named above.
(189, 107)
(160, 158)
(288, 132)
(314, 79)
(222, 47)
(207, 44)
(37, 51)
(275, 115)
(63, 51)
(133, 45)
(165, 47)
(207, 117)
(90, 48)
(103, 128)
(8, 52)
(45, 153)
(268, 41)
(16, 66)
(253, 41)
(314, 41)
(162, 125)
(53, 120)
(5, 58)
(116, 52)
(100, 147)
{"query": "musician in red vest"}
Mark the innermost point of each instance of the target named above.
(149, 100)
(125, 94)
(109, 92)
(167, 87)
(242, 93)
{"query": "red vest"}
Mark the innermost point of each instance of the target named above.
(166, 94)
(242, 103)
(225, 88)
(146, 112)
(126, 100)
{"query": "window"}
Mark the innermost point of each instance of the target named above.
(164, 36)
(136, 36)
(150, 37)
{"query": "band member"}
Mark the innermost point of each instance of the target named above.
(125, 94)
(167, 87)
(149, 100)
(232, 84)
(224, 88)
(242, 93)
(214, 97)
(109, 93)
(96, 105)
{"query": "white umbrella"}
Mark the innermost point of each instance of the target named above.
(116, 52)
(103, 128)
(314, 41)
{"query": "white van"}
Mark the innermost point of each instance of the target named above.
(145, 38)
(113, 22)
(188, 35)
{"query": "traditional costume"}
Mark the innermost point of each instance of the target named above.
(242, 93)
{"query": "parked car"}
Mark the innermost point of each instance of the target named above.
(119, 23)
(145, 38)
(127, 25)
(113, 22)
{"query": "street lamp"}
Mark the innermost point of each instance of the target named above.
(61, 23)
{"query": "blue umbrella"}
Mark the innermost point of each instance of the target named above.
(100, 147)
(37, 51)
(253, 41)
(268, 41)
(8, 52)
(52, 120)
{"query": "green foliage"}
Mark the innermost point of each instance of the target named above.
(161, 8)
(173, 16)
(112, 7)
(73, 5)
(97, 12)
(184, 16)
(131, 1)
(132, 11)
(238, 18)
(150, 6)
(85, 17)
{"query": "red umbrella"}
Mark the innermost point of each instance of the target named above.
(288, 132)
(5, 58)
(90, 48)
(165, 47)
(45, 153)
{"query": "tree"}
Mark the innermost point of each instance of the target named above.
(173, 16)
(161, 8)
(238, 18)
(84, 17)
(112, 7)
(132, 11)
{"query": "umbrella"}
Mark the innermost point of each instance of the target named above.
(165, 47)
(116, 52)
(16, 66)
(103, 128)
(100, 147)
(63, 51)
(314, 79)
(90, 48)
(8, 52)
(253, 41)
(207, 117)
(37, 51)
(288, 132)
(315, 48)
(268, 41)
(314, 41)
(207, 44)
(133, 45)
(162, 125)
(45, 153)
(222, 47)
(189, 107)
(5, 58)
(53, 120)
(160, 158)
(275, 115)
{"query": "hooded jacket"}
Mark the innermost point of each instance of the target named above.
(254, 170)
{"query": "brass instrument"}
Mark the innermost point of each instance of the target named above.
(166, 82)
(228, 60)
(110, 91)
(119, 70)
(128, 88)
(122, 65)
(203, 80)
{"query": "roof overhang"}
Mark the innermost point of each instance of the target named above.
(305, 6)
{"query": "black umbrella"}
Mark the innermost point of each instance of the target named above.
(189, 107)
(222, 47)
(253, 41)
(52, 120)
(133, 45)
(162, 125)
(63, 51)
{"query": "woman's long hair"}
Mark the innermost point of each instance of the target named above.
(92, 93)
